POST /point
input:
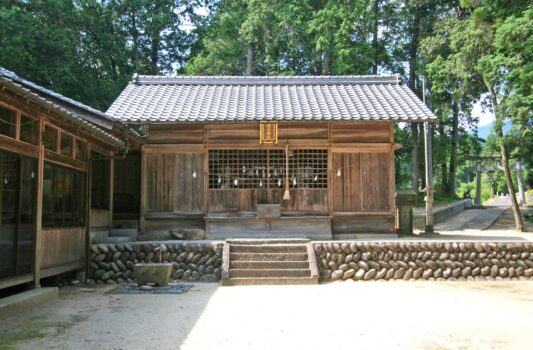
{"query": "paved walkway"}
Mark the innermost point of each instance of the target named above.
(343, 315)
(472, 219)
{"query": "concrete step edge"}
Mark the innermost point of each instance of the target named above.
(240, 264)
(269, 281)
(268, 248)
(269, 256)
(269, 273)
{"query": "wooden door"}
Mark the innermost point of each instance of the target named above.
(361, 182)
(189, 182)
(174, 182)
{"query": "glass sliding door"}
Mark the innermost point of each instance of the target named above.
(17, 213)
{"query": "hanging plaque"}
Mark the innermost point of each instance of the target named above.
(268, 133)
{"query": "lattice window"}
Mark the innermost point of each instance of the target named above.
(308, 168)
(261, 168)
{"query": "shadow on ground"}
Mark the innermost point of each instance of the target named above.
(85, 319)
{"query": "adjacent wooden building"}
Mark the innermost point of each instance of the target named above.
(268, 156)
(49, 146)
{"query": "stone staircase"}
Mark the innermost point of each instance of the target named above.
(260, 262)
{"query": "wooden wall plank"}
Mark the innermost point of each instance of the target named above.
(60, 246)
(364, 132)
(176, 133)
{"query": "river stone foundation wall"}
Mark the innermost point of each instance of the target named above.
(363, 261)
(192, 261)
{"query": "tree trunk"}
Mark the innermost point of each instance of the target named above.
(135, 39)
(505, 163)
(450, 189)
(154, 56)
(326, 63)
(443, 164)
(249, 59)
(375, 10)
(413, 53)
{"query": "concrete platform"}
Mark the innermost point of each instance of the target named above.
(20, 302)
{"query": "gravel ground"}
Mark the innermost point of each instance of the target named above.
(345, 315)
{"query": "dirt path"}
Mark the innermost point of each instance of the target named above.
(506, 221)
(369, 315)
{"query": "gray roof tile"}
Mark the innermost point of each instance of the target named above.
(225, 99)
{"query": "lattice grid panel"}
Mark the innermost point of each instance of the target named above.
(260, 168)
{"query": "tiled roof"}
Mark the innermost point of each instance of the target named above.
(62, 105)
(233, 99)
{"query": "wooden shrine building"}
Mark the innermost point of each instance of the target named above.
(50, 146)
(268, 156)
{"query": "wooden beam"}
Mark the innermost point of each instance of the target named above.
(56, 270)
(16, 280)
(192, 148)
(362, 213)
(361, 147)
(11, 145)
(65, 161)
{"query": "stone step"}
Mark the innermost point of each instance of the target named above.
(269, 265)
(34, 298)
(132, 234)
(268, 281)
(268, 248)
(110, 240)
(259, 273)
(268, 256)
(268, 241)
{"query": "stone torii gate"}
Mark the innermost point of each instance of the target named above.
(480, 168)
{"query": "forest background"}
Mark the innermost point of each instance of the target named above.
(475, 55)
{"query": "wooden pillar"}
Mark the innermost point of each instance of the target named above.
(392, 180)
(206, 173)
(428, 152)
(38, 208)
(329, 173)
(111, 190)
(477, 200)
(143, 190)
(88, 196)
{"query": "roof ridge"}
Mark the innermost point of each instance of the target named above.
(13, 76)
(266, 80)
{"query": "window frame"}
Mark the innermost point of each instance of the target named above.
(71, 198)
(19, 128)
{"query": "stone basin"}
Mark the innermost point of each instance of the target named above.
(156, 273)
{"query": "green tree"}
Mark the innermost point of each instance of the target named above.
(478, 44)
